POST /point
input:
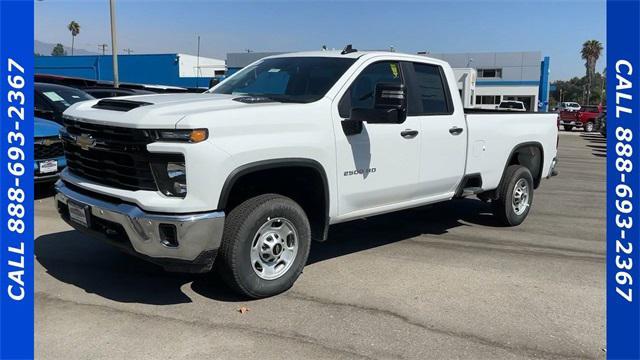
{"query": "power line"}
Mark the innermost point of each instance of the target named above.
(103, 47)
(128, 51)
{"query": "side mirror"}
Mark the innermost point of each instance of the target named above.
(213, 82)
(390, 107)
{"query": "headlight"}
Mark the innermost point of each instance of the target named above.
(192, 136)
(170, 175)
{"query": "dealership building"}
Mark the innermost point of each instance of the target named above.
(522, 76)
(156, 69)
(498, 76)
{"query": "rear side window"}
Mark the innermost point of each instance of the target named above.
(432, 93)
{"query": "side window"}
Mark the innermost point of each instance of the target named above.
(432, 92)
(361, 93)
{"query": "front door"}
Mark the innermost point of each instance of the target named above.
(379, 167)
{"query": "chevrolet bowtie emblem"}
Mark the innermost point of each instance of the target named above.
(85, 141)
(48, 142)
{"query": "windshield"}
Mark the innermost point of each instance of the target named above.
(62, 98)
(289, 79)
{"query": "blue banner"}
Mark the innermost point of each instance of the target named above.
(623, 180)
(16, 185)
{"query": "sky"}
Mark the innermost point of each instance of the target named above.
(556, 28)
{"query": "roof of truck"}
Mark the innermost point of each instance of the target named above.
(351, 55)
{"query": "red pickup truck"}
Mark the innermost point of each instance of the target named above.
(584, 118)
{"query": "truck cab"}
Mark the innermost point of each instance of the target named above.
(245, 175)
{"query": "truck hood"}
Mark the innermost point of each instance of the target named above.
(45, 128)
(153, 111)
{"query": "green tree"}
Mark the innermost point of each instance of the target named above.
(74, 27)
(580, 90)
(58, 50)
(591, 51)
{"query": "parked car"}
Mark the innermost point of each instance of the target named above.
(569, 106)
(511, 105)
(51, 100)
(82, 83)
(48, 153)
(583, 119)
(601, 124)
(248, 173)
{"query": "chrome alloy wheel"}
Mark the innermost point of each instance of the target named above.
(274, 248)
(520, 201)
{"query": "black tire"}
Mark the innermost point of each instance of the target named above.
(567, 127)
(588, 127)
(241, 226)
(503, 205)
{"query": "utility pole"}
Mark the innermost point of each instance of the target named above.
(128, 51)
(103, 47)
(198, 64)
(114, 47)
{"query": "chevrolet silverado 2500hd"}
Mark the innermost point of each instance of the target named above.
(248, 173)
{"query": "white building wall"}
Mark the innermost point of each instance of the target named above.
(188, 66)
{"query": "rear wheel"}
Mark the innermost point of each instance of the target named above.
(588, 127)
(265, 246)
(515, 196)
(567, 127)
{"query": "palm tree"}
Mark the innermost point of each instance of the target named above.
(74, 27)
(591, 50)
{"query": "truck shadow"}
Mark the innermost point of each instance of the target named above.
(597, 144)
(100, 269)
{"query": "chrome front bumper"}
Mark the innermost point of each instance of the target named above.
(197, 236)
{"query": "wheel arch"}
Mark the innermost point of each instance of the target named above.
(318, 217)
(525, 154)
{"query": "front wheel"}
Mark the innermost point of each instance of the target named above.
(515, 196)
(588, 127)
(265, 246)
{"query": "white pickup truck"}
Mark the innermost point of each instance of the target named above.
(249, 172)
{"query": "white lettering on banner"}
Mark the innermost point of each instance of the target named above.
(623, 67)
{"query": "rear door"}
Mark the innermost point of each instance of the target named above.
(443, 128)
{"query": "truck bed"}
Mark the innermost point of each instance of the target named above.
(493, 136)
(496, 111)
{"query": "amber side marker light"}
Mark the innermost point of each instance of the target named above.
(198, 135)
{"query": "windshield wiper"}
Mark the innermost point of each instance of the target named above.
(279, 98)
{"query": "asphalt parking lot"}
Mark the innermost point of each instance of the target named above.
(440, 282)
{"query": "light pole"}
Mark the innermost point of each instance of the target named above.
(114, 48)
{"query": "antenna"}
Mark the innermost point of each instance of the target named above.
(348, 50)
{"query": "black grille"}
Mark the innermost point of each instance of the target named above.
(109, 155)
(47, 148)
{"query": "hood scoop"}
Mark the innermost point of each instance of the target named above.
(119, 105)
(253, 99)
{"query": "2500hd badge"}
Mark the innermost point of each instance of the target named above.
(359, 171)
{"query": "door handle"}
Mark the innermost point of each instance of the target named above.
(456, 130)
(409, 134)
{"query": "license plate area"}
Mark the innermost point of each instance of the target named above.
(48, 166)
(79, 213)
